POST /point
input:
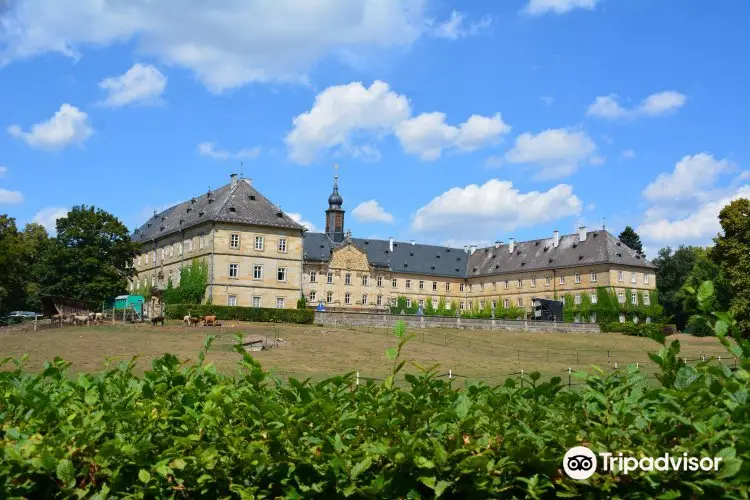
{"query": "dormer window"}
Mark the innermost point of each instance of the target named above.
(252, 197)
(232, 209)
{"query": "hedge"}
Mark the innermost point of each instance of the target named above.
(258, 314)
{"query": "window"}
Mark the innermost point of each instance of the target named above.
(139, 259)
(594, 298)
(434, 285)
(621, 297)
(448, 306)
(312, 295)
(257, 272)
(421, 302)
(646, 279)
(506, 303)
(461, 305)
(470, 287)
(171, 251)
(648, 319)
(519, 301)
(633, 277)
(256, 301)
(421, 284)
(200, 242)
(364, 299)
(408, 302)
(347, 279)
(562, 280)
(461, 287)
(646, 299)
(232, 300)
(282, 245)
(447, 286)
(593, 317)
(620, 276)
(578, 278)
(329, 297)
(481, 304)
(379, 282)
(161, 256)
(279, 302)
(408, 284)
(507, 284)
(153, 280)
(622, 318)
(365, 280)
(547, 280)
(577, 298)
(519, 284)
(394, 283)
(169, 276)
(634, 298)
(189, 246)
(533, 282)
(380, 300)
(146, 256)
(577, 318)
(234, 241)
(233, 269)
(259, 242)
(313, 276)
(434, 303)
(329, 278)
(481, 287)
(347, 298)
(470, 304)
(132, 286)
(281, 274)
(494, 304)
(494, 286)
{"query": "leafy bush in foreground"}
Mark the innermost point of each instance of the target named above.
(189, 432)
(179, 311)
(650, 330)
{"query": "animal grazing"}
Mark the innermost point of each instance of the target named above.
(194, 321)
(57, 318)
(209, 320)
(80, 318)
(157, 319)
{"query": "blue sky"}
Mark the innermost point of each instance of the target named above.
(452, 122)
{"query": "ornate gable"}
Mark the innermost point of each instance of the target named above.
(350, 258)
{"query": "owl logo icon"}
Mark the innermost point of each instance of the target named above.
(579, 463)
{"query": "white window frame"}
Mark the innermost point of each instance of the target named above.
(460, 287)
(533, 282)
(434, 286)
(232, 300)
(578, 278)
(312, 295)
(282, 245)
(421, 284)
(646, 299)
(234, 241)
(365, 280)
(519, 302)
(379, 282)
(646, 278)
(594, 298)
(577, 299)
(347, 279)
(421, 303)
(256, 302)
(447, 286)
(394, 283)
(313, 277)
(461, 305)
(506, 303)
(365, 298)
(634, 278)
(620, 276)
(280, 302)
(201, 242)
(408, 285)
(519, 283)
(347, 298)
(507, 284)
(281, 271)
(434, 303)
(621, 297)
(236, 268)
(561, 281)
(329, 278)
(260, 243)
(257, 271)
(329, 297)
(634, 298)
(592, 278)
(379, 300)
(408, 302)
(547, 280)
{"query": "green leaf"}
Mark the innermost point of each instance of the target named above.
(721, 327)
(388, 382)
(144, 476)
(441, 486)
(391, 352)
(423, 463)
(65, 472)
(705, 294)
(360, 467)
(428, 481)
(729, 467)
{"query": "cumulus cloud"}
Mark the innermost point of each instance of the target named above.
(67, 127)
(657, 104)
(225, 44)
(10, 197)
(371, 211)
(209, 149)
(454, 27)
(299, 220)
(689, 180)
(557, 152)
(47, 217)
(492, 207)
(142, 84)
(342, 114)
(538, 7)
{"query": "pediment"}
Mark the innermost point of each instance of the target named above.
(350, 258)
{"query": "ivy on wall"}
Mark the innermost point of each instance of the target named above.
(608, 308)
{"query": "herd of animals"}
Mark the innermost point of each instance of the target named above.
(98, 318)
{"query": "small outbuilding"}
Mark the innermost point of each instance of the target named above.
(547, 310)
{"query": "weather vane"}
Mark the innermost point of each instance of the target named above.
(242, 169)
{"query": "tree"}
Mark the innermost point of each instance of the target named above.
(34, 243)
(631, 239)
(704, 269)
(732, 253)
(11, 264)
(672, 271)
(91, 257)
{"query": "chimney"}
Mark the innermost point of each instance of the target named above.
(466, 248)
(412, 243)
(498, 244)
(390, 244)
(233, 178)
(555, 238)
(512, 245)
(582, 233)
(472, 249)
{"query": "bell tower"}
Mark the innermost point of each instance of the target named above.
(335, 214)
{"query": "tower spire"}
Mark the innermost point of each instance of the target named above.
(335, 214)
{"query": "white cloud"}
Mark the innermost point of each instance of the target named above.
(537, 7)
(299, 220)
(47, 217)
(627, 154)
(494, 161)
(341, 111)
(689, 180)
(492, 207)
(453, 28)
(209, 149)
(68, 126)
(226, 44)
(654, 105)
(371, 211)
(3, 171)
(558, 152)
(697, 227)
(10, 197)
(140, 84)
(427, 134)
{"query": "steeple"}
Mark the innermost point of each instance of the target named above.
(335, 214)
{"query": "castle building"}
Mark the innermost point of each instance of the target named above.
(258, 256)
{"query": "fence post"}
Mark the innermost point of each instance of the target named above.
(569, 383)
(637, 365)
(358, 378)
(450, 374)
(522, 379)
(519, 355)
(609, 359)
(615, 365)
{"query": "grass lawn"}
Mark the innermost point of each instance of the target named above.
(317, 352)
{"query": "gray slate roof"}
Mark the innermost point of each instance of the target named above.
(240, 203)
(600, 247)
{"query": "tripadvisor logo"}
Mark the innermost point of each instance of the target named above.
(581, 463)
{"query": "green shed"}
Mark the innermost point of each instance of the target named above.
(129, 301)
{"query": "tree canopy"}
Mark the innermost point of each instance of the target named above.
(631, 239)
